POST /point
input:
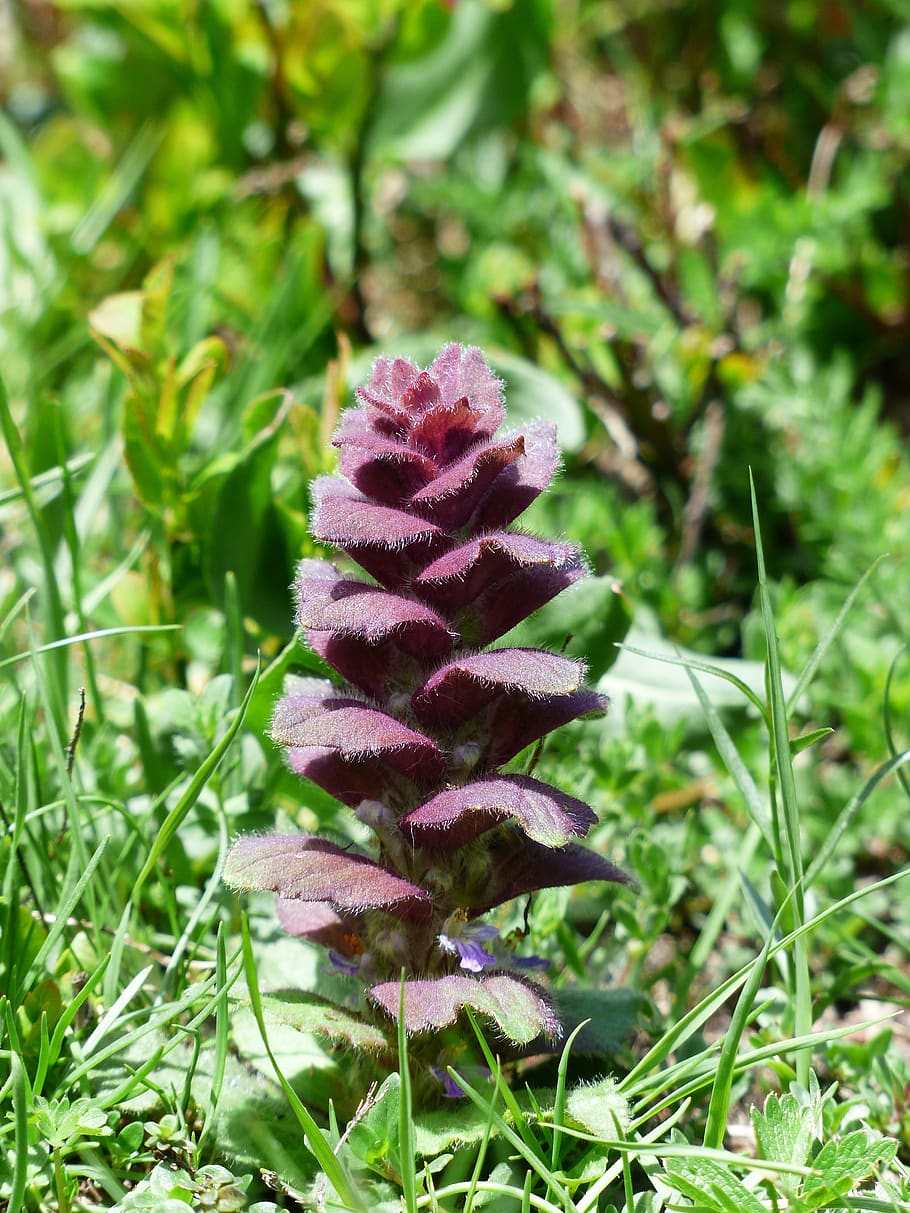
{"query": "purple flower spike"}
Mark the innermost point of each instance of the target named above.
(415, 734)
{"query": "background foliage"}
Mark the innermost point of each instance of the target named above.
(678, 229)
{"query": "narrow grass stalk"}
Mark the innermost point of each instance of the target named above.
(405, 1116)
(312, 1134)
(21, 1102)
(53, 604)
(787, 822)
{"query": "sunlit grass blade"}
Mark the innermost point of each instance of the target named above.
(71, 895)
(787, 826)
(503, 1090)
(719, 1105)
(821, 649)
(83, 637)
(530, 1153)
(642, 1076)
(559, 1103)
(704, 667)
(54, 612)
(406, 1150)
(716, 920)
(886, 714)
(117, 187)
(64, 1023)
(745, 784)
(175, 817)
(222, 1035)
(848, 813)
(21, 1103)
(313, 1138)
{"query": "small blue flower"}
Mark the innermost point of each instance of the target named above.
(450, 1088)
(466, 942)
(345, 964)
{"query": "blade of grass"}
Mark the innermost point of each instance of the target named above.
(886, 714)
(98, 634)
(54, 613)
(20, 1120)
(704, 667)
(313, 1139)
(789, 824)
(719, 1104)
(559, 1103)
(680, 1031)
(531, 1155)
(405, 1116)
(849, 811)
(222, 1035)
(727, 749)
(175, 817)
(829, 637)
(70, 898)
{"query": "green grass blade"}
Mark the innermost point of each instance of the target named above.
(69, 900)
(704, 667)
(790, 822)
(175, 817)
(313, 1138)
(719, 1105)
(54, 609)
(83, 637)
(406, 1149)
(222, 1034)
(886, 714)
(532, 1156)
(849, 811)
(727, 749)
(20, 1120)
(824, 644)
(559, 1103)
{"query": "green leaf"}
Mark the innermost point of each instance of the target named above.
(844, 1165)
(475, 80)
(586, 621)
(785, 1129)
(311, 1014)
(712, 1186)
(612, 1016)
(807, 740)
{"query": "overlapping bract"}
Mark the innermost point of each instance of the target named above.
(416, 740)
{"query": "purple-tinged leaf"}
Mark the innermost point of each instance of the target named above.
(389, 543)
(348, 748)
(327, 602)
(390, 380)
(344, 517)
(461, 688)
(462, 371)
(521, 482)
(520, 1009)
(308, 868)
(525, 867)
(317, 922)
(450, 498)
(456, 578)
(458, 815)
(386, 469)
